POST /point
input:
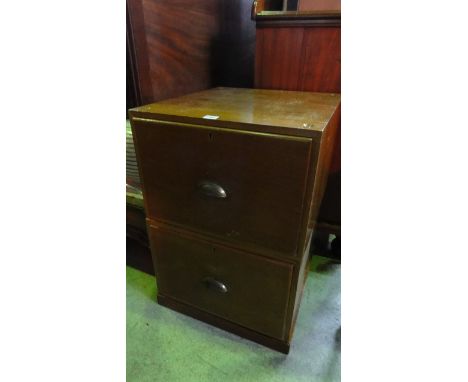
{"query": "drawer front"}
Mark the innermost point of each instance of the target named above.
(246, 289)
(240, 186)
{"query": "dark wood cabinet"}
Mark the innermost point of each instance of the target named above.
(232, 181)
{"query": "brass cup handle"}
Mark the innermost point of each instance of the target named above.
(211, 190)
(215, 285)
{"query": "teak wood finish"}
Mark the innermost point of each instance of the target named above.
(231, 202)
(301, 50)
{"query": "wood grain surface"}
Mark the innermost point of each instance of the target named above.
(253, 107)
(183, 46)
(306, 59)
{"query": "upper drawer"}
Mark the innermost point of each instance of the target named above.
(241, 186)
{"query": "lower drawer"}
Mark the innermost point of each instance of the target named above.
(249, 290)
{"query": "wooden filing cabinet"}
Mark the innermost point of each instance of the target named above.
(232, 181)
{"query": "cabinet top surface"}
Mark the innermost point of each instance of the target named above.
(279, 108)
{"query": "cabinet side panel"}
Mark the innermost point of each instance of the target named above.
(323, 165)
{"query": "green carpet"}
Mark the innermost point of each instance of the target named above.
(163, 345)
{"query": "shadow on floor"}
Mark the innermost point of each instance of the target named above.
(139, 257)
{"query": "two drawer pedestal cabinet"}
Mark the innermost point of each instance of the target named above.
(232, 180)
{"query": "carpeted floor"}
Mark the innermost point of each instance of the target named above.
(163, 345)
